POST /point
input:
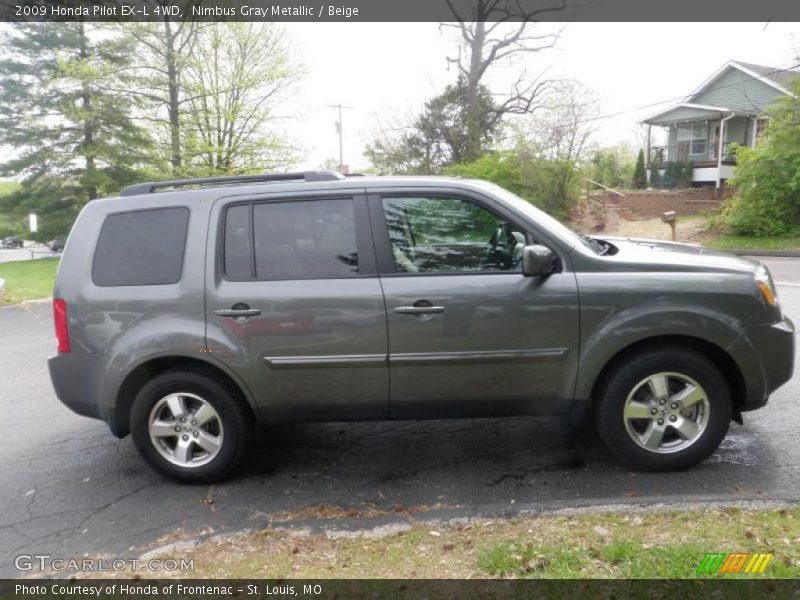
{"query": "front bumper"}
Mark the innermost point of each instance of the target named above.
(766, 356)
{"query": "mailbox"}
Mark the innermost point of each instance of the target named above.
(671, 218)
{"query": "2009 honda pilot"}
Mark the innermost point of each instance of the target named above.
(188, 311)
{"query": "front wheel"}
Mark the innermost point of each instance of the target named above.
(189, 426)
(665, 409)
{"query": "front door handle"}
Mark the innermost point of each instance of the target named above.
(237, 313)
(418, 310)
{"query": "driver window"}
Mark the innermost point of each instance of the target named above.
(440, 235)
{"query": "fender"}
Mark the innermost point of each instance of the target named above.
(602, 341)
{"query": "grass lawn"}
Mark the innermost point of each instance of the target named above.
(790, 242)
(8, 187)
(28, 279)
(669, 544)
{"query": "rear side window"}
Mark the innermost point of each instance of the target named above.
(297, 239)
(238, 242)
(143, 247)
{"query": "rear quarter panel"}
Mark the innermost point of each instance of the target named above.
(122, 327)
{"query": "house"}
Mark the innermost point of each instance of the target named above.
(728, 108)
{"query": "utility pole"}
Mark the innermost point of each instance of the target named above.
(340, 130)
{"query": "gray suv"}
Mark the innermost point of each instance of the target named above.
(187, 312)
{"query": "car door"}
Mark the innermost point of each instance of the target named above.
(468, 333)
(295, 307)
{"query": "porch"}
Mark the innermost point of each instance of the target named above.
(703, 137)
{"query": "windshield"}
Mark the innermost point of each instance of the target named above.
(539, 216)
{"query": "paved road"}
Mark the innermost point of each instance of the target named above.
(70, 488)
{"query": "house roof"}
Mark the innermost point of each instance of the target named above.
(781, 77)
(686, 112)
(774, 77)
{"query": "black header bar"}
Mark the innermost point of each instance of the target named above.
(401, 10)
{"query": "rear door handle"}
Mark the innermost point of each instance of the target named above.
(418, 310)
(237, 312)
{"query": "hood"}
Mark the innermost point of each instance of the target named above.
(674, 256)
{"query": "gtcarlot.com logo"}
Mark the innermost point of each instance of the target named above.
(46, 562)
(734, 562)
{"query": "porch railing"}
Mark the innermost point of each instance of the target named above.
(658, 155)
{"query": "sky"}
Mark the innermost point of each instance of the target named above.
(385, 70)
(382, 70)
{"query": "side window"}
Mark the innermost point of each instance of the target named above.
(238, 242)
(302, 239)
(440, 235)
(143, 247)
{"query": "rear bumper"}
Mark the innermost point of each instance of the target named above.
(766, 355)
(77, 381)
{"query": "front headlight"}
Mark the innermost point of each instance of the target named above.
(766, 286)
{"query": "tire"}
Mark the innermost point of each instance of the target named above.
(653, 380)
(210, 441)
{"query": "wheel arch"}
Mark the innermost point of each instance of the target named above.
(721, 359)
(137, 377)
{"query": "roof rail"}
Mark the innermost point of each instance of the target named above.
(153, 186)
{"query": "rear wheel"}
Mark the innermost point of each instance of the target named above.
(189, 426)
(665, 409)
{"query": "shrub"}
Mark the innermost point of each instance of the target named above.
(767, 177)
(655, 177)
(550, 184)
(639, 172)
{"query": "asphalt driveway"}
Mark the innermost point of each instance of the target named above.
(70, 489)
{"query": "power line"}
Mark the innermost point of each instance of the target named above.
(677, 98)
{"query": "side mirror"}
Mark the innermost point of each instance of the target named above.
(538, 260)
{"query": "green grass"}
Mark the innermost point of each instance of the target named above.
(658, 544)
(789, 242)
(670, 546)
(523, 559)
(8, 187)
(28, 279)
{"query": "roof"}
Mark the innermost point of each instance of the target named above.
(781, 77)
(686, 112)
(777, 78)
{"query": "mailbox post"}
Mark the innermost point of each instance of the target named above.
(671, 218)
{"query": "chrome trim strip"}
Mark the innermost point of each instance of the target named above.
(316, 362)
(469, 358)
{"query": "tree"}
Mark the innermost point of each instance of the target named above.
(240, 73)
(439, 136)
(613, 166)
(164, 51)
(767, 177)
(546, 162)
(73, 136)
(639, 172)
(560, 134)
(494, 31)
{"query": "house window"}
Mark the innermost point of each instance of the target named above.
(696, 135)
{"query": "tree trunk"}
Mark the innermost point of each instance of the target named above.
(88, 123)
(473, 120)
(173, 109)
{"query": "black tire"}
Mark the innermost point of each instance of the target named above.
(624, 378)
(236, 423)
